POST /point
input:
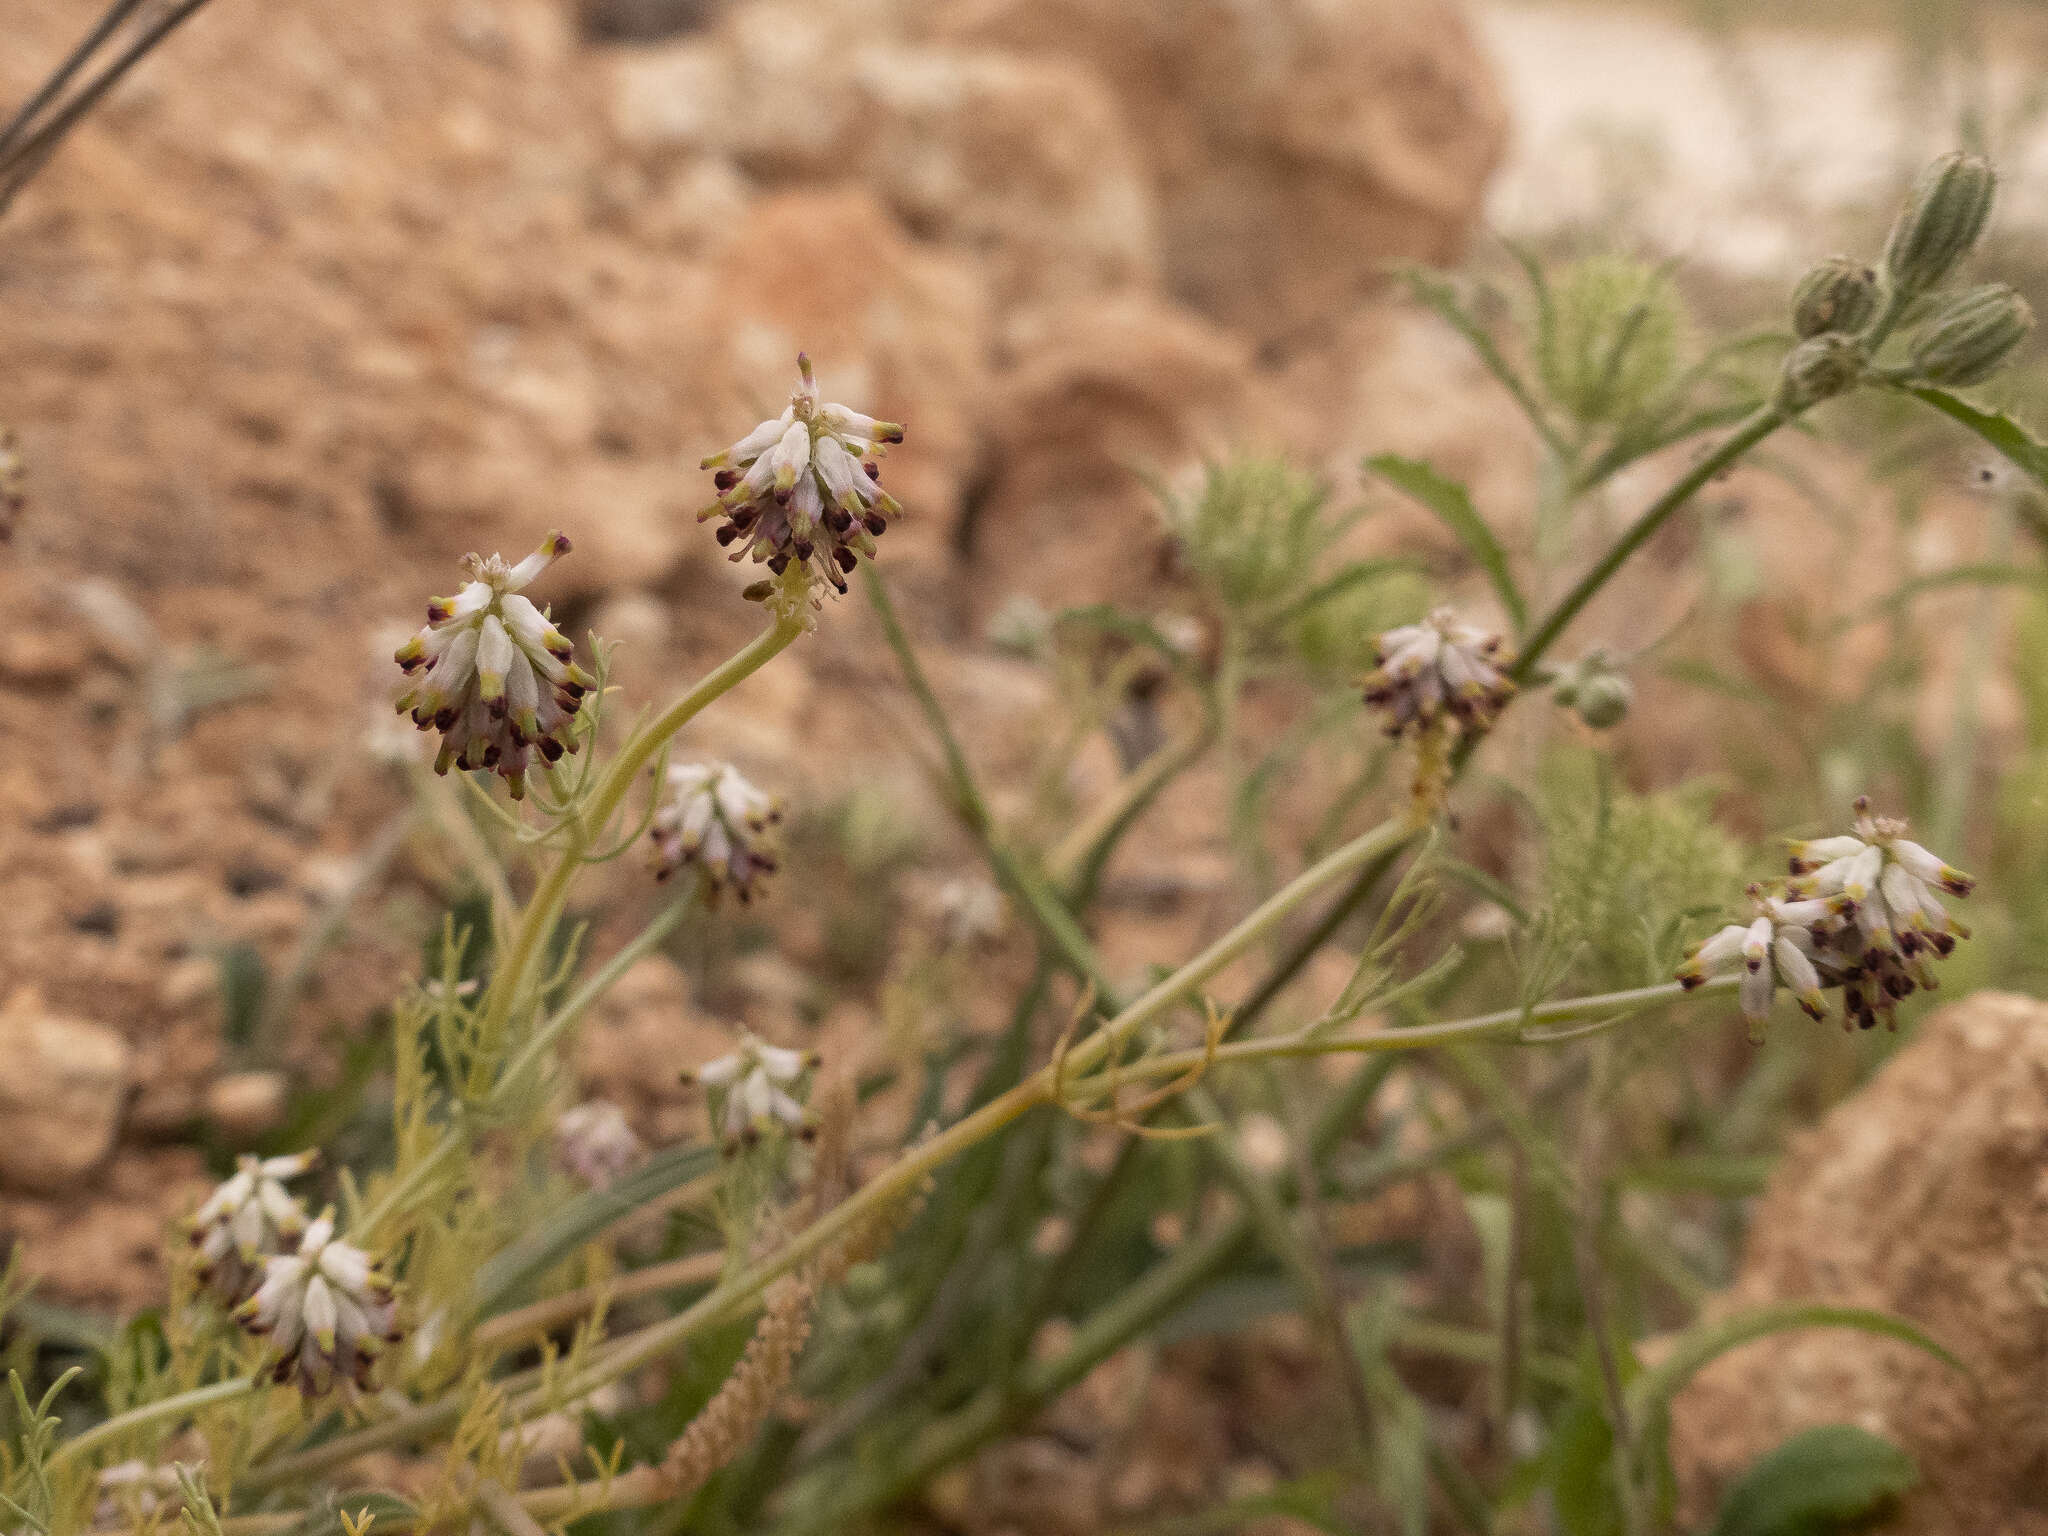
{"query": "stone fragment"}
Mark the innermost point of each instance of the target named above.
(63, 1082)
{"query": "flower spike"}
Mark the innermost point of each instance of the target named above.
(712, 818)
(328, 1311)
(493, 675)
(1859, 912)
(245, 1220)
(805, 487)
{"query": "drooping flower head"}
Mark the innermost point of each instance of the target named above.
(1440, 667)
(804, 487)
(749, 1090)
(711, 818)
(1776, 948)
(594, 1143)
(1895, 925)
(245, 1220)
(1859, 912)
(328, 1311)
(492, 674)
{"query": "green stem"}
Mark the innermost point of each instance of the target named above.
(1760, 424)
(736, 1295)
(108, 1430)
(545, 910)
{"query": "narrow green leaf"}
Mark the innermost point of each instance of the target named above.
(1651, 1393)
(582, 1219)
(243, 980)
(2020, 447)
(1833, 1478)
(1453, 505)
(1985, 574)
(1582, 1473)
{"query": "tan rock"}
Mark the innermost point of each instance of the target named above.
(1301, 147)
(1926, 1195)
(1105, 393)
(244, 1105)
(1024, 160)
(62, 1085)
(642, 1035)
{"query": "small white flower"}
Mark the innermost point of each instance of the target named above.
(493, 675)
(595, 1144)
(1442, 666)
(133, 1488)
(1775, 949)
(1859, 912)
(749, 1089)
(328, 1311)
(245, 1220)
(713, 819)
(970, 912)
(805, 487)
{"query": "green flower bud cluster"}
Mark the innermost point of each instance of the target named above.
(1843, 310)
(1596, 689)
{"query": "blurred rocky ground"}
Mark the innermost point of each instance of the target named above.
(326, 297)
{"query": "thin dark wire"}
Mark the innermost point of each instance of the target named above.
(23, 153)
(117, 13)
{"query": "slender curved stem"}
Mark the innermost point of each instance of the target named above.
(737, 1294)
(152, 1413)
(1760, 424)
(545, 909)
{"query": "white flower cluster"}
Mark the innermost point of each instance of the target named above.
(749, 1091)
(1859, 912)
(1442, 666)
(245, 1220)
(494, 676)
(328, 1311)
(804, 486)
(712, 818)
(594, 1143)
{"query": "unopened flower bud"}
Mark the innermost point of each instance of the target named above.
(1971, 336)
(1818, 369)
(1941, 222)
(1838, 295)
(1596, 689)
